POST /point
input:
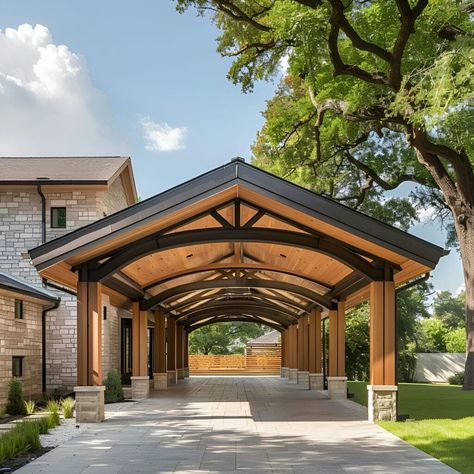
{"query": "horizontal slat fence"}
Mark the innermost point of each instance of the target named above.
(236, 364)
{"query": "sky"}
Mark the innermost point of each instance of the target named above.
(116, 77)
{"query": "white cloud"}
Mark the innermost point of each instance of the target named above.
(426, 214)
(48, 105)
(162, 137)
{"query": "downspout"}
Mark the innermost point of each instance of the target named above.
(43, 342)
(43, 214)
(399, 290)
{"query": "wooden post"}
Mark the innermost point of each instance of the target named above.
(337, 341)
(179, 351)
(382, 333)
(89, 333)
(160, 342)
(186, 354)
(171, 350)
(300, 344)
(139, 341)
(315, 341)
(337, 381)
(305, 320)
(382, 390)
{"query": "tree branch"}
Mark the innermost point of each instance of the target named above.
(239, 15)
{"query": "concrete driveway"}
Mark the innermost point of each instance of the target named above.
(235, 424)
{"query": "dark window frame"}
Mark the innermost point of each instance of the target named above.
(19, 309)
(18, 373)
(52, 220)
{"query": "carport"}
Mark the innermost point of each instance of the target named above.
(237, 244)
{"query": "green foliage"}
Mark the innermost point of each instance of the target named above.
(357, 343)
(433, 335)
(455, 340)
(30, 406)
(457, 379)
(450, 309)
(67, 405)
(113, 387)
(224, 338)
(15, 404)
(53, 408)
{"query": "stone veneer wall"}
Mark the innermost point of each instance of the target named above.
(20, 230)
(20, 337)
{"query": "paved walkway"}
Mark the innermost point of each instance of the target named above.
(235, 424)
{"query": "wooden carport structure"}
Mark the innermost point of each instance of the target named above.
(237, 244)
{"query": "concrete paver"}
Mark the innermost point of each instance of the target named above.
(235, 424)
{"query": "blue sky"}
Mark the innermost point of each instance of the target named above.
(128, 68)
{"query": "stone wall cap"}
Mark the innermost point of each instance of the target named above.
(155, 374)
(140, 377)
(171, 371)
(337, 378)
(317, 374)
(303, 371)
(381, 388)
(90, 388)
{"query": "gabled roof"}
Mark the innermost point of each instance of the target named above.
(237, 240)
(19, 286)
(272, 337)
(68, 170)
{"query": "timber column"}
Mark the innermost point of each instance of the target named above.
(179, 352)
(382, 391)
(140, 379)
(186, 354)
(293, 353)
(303, 345)
(316, 377)
(89, 390)
(337, 380)
(171, 350)
(284, 354)
(160, 377)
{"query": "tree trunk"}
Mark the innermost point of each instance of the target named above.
(465, 231)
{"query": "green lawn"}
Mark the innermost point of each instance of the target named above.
(441, 421)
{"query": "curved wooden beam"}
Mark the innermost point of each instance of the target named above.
(242, 319)
(235, 266)
(151, 244)
(247, 283)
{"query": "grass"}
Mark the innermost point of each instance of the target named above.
(67, 405)
(441, 421)
(24, 437)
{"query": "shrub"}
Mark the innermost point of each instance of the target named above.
(53, 408)
(56, 394)
(23, 437)
(113, 387)
(457, 379)
(30, 406)
(68, 407)
(15, 404)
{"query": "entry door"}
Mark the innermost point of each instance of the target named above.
(126, 350)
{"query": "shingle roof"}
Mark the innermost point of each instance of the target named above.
(18, 285)
(88, 169)
(272, 337)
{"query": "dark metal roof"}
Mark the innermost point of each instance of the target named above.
(18, 285)
(234, 173)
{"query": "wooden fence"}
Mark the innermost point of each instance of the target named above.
(261, 364)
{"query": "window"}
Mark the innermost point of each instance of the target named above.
(58, 217)
(17, 366)
(18, 309)
(104, 312)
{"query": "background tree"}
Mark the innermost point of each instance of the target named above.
(449, 308)
(224, 338)
(379, 94)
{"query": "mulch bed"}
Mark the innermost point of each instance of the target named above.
(19, 461)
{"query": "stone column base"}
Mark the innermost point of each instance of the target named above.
(160, 381)
(172, 377)
(293, 375)
(303, 378)
(284, 372)
(90, 404)
(316, 381)
(337, 388)
(186, 372)
(180, 374)
(140, 387)
(382, 402)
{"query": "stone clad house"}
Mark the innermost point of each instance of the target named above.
(42, 199)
